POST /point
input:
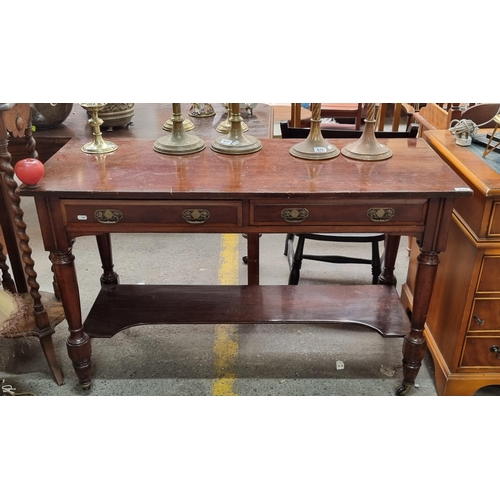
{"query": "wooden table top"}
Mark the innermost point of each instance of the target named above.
(135, 170)
(465, 161)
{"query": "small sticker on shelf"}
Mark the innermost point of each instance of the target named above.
(81, 217)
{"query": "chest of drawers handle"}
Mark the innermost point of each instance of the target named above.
(295, 214)
(195, 215)
(479, 321)
(495, 349)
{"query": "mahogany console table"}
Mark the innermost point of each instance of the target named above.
(136, 190)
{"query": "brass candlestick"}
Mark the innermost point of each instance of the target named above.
(98, 145)
(367, 147)
(225, 126)
(315, 147)
(178, 142)
(187, 123)
(236, 142)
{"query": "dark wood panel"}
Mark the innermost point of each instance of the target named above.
(374, 306)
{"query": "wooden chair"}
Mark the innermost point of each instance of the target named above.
(296, 255)
(436, 116)
(401, 112)
(36, 313)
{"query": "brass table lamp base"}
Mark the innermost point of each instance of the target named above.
(98, 145)
(367, 147)
(236, 142)
(315, 147)
(178, 142)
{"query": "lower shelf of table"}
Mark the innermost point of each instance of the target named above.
(121, 306)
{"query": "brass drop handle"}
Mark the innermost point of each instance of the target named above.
(496, 350)
(108, 216)
(196, 215)
(295, 214)
(479, 321)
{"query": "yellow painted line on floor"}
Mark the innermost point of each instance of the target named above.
(226, 336)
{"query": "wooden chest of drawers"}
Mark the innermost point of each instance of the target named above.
(463, 323)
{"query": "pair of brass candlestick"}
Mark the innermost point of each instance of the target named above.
(179, 142)
(315, 147)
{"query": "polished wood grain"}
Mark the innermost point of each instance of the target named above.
(137, 190)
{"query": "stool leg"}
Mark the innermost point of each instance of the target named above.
(294, 276)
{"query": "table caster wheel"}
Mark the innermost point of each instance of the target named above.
(404, 389)
(85, 386)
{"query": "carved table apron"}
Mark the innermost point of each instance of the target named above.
(136, 190)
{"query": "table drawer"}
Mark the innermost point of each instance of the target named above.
(338, 212)
(481, 351)
(152, 213)
(485, 315)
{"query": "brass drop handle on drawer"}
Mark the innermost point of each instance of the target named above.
(295, 214)
(496, 350)
(195, 215)
(108, 216)
(479, 321)
(380, 214)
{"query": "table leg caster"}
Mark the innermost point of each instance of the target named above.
(404, 389)
(85, 386)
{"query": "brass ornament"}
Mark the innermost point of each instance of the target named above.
(201, 110)
(315, 147)
(236, 142)
(367, 147)
(178, 142)
(98, 145)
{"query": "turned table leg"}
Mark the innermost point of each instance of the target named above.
(78, 343)
(387, 276)
(414, 344)
(253, 258)
(108, 277)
